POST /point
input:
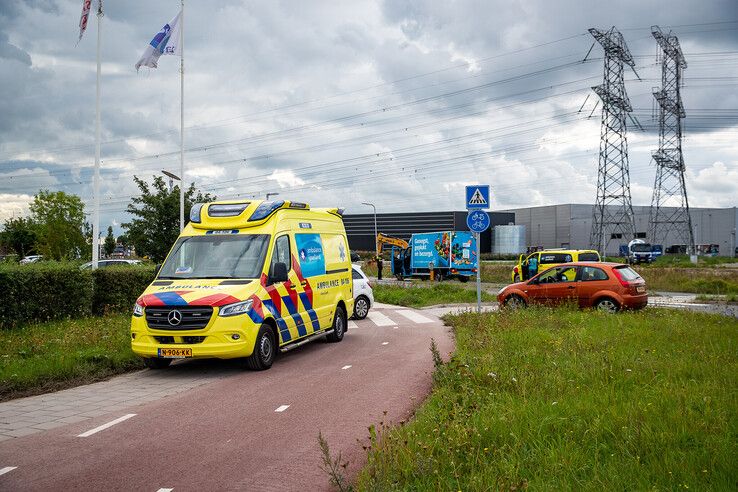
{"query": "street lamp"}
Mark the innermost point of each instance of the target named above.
(171, 177)
(376, 245)
(271, 194)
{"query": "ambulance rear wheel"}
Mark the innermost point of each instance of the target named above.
(156, 363)
(339, 326)
(265, 350)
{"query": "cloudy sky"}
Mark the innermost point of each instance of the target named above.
(399, 103)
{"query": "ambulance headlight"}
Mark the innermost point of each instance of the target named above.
(195, 212)
(138, 310)
(236, 308)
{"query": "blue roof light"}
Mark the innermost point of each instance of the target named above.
(195, 213)
(265, 210)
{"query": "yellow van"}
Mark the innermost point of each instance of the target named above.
(549, 258)
(247, 279)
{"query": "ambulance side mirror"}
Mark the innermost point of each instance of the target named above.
(279, 273)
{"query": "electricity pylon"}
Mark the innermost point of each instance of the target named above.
(612, 217)
(669, 205)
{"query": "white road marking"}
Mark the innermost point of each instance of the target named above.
(380, 319)
(282, 408)
(346, 367)
(413, 316)
(385, 343)
(105, 426)
(7, 469)
(352, 324)
(394, 327)
(164, 490)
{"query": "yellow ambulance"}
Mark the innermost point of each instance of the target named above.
(247, 279)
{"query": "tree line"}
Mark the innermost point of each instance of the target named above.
(57, 229)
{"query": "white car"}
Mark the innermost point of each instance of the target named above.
(31, 259)
(363, 295)
(110, 263)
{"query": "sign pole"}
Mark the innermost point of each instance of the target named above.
(479, 276)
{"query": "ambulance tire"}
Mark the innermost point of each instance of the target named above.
(156, 363)
(265, 350)
(463, 279)
(339, 326)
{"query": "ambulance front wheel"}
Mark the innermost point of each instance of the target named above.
(339, 326)
(265, 350)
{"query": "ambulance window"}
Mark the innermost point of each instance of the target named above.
(281, 252)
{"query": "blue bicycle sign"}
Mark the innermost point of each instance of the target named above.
(477, 221)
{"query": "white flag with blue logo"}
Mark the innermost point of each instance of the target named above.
(166, 42)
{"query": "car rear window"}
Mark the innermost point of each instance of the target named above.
(627, 273)
(589, 257)
(555, 258)
(356, 275)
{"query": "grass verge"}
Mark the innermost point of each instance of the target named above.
(42, 357)
(714, 298)
(421, 296)
(569, 399)
(718, 281)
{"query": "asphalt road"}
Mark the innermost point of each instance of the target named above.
(247, 430)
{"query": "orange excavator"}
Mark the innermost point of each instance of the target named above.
(383, 239)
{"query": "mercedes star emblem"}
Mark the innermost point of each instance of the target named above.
(174, 317)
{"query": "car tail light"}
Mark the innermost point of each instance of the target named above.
(453, 270)
(624, 283)
(474, 270)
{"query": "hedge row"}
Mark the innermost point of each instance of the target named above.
(50, 290)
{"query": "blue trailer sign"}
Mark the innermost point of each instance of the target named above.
(447, 253)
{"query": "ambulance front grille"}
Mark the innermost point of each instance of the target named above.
(190, 317)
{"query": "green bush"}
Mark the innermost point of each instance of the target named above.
(117, 288)
(43, 291)
(55, 290)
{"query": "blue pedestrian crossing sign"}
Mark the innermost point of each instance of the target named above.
(477, 197)
(478, 221)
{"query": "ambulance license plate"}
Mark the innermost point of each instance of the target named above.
(640, 289)
(175, 353)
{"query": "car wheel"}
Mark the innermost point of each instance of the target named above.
(339, 326)
(265, 350)
(157, 363)
(607, 305)
(515, 302)
(361, 307)
(516, 278)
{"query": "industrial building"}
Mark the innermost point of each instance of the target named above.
(360, 227)
(569, 226)
(553, 226)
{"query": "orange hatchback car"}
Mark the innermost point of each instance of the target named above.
(605, 286)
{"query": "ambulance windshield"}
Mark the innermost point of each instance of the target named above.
(216, 256)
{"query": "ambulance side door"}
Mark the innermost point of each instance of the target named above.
(291, 325)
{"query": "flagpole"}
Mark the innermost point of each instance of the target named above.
(96, 182)
(181, 122)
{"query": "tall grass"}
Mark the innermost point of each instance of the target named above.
(46, 356)
(572, 400)
(427, 294)
(719, 281)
